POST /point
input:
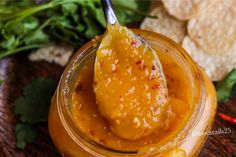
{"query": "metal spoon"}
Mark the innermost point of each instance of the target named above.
(111, 19)
(108, 11)
(142, 72)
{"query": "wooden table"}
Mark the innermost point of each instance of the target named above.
(17, 71)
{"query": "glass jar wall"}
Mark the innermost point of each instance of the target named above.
(189, 136)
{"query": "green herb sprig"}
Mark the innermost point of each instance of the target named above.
(226, 88)
(24, 25)
(32, 108)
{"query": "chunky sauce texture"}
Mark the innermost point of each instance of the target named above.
(131, 92)
(96, 126)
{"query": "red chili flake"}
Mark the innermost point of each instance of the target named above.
(152, 77)
(91, 132)
(172, 79)
(138, 62)
(134, 43)
(102, 141)
(101, 64)
(154, 67)
(141, 67)
(115, 71)
(227, 118)
(155, 86)
(79, 87)
(95, 83)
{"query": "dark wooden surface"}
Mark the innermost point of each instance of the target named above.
(17, 71)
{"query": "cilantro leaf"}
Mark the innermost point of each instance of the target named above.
(69, 8)
(33, 106)
(226, 88)
(24, 23)
(131, 10)
(92, 30)
(10, 42)
(37, 36)
(25, 133)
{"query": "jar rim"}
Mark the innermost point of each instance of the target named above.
(63, 90)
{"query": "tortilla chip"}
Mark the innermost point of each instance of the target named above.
(165, 24)
(186, 9)
(215, 30)
(216, 66)
(58, 54)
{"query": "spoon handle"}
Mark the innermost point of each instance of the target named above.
(109, 12)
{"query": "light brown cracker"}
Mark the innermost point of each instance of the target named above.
(58, 54)
(186, 9)
(215, 30)
(165, 24)
(216, 66)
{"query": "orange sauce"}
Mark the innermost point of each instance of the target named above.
(192, 100)
(89, 120)
(129, 84)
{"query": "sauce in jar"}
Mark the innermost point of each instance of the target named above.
(127, 94)
(129, 84)
(78, 128)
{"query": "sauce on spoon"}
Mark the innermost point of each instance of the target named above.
(129, 84)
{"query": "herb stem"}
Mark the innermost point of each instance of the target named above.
(27, 12)
(10, 52)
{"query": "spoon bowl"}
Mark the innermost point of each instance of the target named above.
(111, 19)
(129, 83)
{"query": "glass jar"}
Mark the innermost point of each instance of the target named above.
(72, 143)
